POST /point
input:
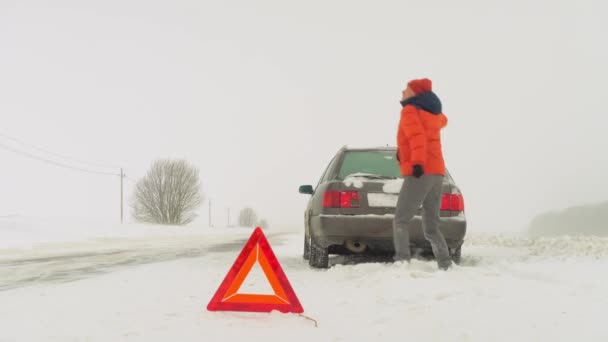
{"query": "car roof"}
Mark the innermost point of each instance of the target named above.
(377, 148)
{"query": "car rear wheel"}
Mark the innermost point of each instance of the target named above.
(306, 247)
(319, 256)
(457, 255)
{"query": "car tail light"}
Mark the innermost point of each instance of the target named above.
(452, 202)
(340, 199)
(349, 199)
(331, 199)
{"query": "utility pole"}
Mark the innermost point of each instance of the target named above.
(122, 176)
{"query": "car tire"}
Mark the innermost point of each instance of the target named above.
(306, 255)
(319, 256)
(457, 255)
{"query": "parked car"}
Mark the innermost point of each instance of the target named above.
(351, 209)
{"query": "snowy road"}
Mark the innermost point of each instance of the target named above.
(19, 269)
(508, 289)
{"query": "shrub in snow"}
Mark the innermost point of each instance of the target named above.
(168, 194)
(247, 217)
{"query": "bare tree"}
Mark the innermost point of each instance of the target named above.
(168, 194)
(247, 217)
(263, 224)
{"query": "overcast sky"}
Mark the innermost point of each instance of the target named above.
(261, 94)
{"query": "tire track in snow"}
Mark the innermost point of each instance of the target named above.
(25, 270)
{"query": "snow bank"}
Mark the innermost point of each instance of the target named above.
(27, 232)
(563, 246)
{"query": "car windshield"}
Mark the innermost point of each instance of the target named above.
(371, 164)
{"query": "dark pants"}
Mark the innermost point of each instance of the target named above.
(425, 191)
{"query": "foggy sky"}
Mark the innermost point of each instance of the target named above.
(261, 94)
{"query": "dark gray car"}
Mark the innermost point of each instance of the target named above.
(351, 209)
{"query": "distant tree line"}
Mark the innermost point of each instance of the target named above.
(579, 220)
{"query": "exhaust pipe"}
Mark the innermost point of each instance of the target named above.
(355, 246)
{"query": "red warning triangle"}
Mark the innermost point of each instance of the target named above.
(258, 250)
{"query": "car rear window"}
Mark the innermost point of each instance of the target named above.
(381, 163)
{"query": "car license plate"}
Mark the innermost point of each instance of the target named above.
(381, 200)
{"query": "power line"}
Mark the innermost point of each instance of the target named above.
(56, 154)
(52, 162)
(66, 166)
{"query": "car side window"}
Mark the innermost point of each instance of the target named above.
(328, 171)
(449, 176)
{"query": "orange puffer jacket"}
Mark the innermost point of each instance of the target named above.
(419, 138)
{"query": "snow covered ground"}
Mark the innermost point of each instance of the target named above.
(508, 289)
(17, 232)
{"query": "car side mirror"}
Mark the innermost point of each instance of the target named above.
(306, 189)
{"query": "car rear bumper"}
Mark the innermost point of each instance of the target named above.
(377, 230)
